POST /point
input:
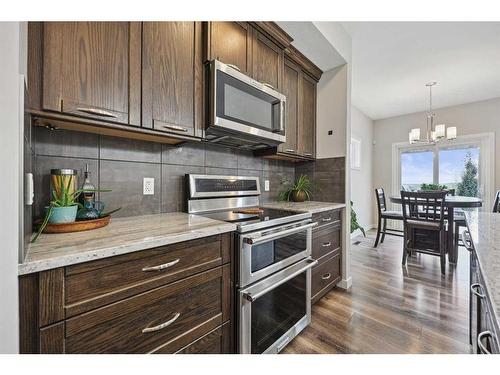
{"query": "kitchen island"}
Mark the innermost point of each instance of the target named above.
(482, 239)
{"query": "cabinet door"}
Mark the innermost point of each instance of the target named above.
(291, 80)
(92, 69)
(267, 61)
(230, 42)
(307, 123)
(172, 76)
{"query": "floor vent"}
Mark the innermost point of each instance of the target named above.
(357, 243)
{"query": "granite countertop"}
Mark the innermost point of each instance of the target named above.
(308, 206)
(121, 236)
(484, 228)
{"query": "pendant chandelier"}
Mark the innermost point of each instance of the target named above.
(433, 133)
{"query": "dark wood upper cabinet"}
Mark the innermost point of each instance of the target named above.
(172, 77)
(92, 69)
(291, 84)
(267, 61)
(307, 121)
(231, 43)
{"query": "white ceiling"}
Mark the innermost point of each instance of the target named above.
(313, 44)
(392, 61)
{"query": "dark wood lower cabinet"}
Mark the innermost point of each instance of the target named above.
(184, 308)
(327, 250)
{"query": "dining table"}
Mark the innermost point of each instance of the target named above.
(451, 202)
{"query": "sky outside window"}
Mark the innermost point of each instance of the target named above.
(452, 164)
(416, 169)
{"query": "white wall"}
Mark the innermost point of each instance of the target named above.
(362, 180)
(471, 118)
(332, 114)
(11, 106)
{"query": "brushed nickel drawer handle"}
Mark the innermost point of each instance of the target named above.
(478, 292)
(163, 325)
(326, 244)
(480, 337)
(161, 266)
(268, 85)
(235, 67)
(289, 150)
(307, 154)
(326, 219)
(175, 127)
(326, 276)
(96, 111)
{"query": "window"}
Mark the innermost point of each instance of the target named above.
(459, 170)
(355, 153)
(416, 169)
(465, 164)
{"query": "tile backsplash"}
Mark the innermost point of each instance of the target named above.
(121, 164)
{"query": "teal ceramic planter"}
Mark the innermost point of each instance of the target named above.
(63, 214)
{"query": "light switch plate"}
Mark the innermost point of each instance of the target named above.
(148, 186)
(266, 185)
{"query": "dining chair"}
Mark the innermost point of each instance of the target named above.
(383, 215)
(424, 224)
(496, 204)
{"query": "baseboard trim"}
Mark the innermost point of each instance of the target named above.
(345, 284)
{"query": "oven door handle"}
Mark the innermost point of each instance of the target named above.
(253, 297)
(273, 236)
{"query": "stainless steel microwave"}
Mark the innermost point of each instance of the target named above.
(243, 112)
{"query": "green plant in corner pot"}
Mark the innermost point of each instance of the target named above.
(63, 206)
(298, 192)
(354, 222)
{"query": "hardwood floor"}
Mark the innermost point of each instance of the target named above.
(390, 309)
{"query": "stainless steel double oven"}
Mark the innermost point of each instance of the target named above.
(273, 263)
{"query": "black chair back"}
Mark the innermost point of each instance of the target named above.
(425, 206)
(496, 205)
(380, 196)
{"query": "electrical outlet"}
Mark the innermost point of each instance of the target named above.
(148, 186)
(266, 185)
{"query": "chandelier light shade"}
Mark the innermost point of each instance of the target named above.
(433, 133)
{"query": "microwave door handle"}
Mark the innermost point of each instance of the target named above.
(251, 297)
(256, 240)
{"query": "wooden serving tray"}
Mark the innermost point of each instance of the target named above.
(77, 226)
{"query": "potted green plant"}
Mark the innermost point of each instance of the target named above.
(354, 222)
(298, 192)
(64, 205)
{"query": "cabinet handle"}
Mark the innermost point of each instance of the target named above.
(326, 276)
(326, 244)
(480, 337)
(326, 219)
(175, 127)
(161, 266)
(289, 150)
(96, 111)
(163, 325)
(307, 154)
(479, 293)
(466, 240)
(268, 85)
(234, 67)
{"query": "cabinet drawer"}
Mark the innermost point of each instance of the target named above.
(325, 275)
(214, 342)
(325, 240)
(147, 321)
(326, 217)
(95, 284)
